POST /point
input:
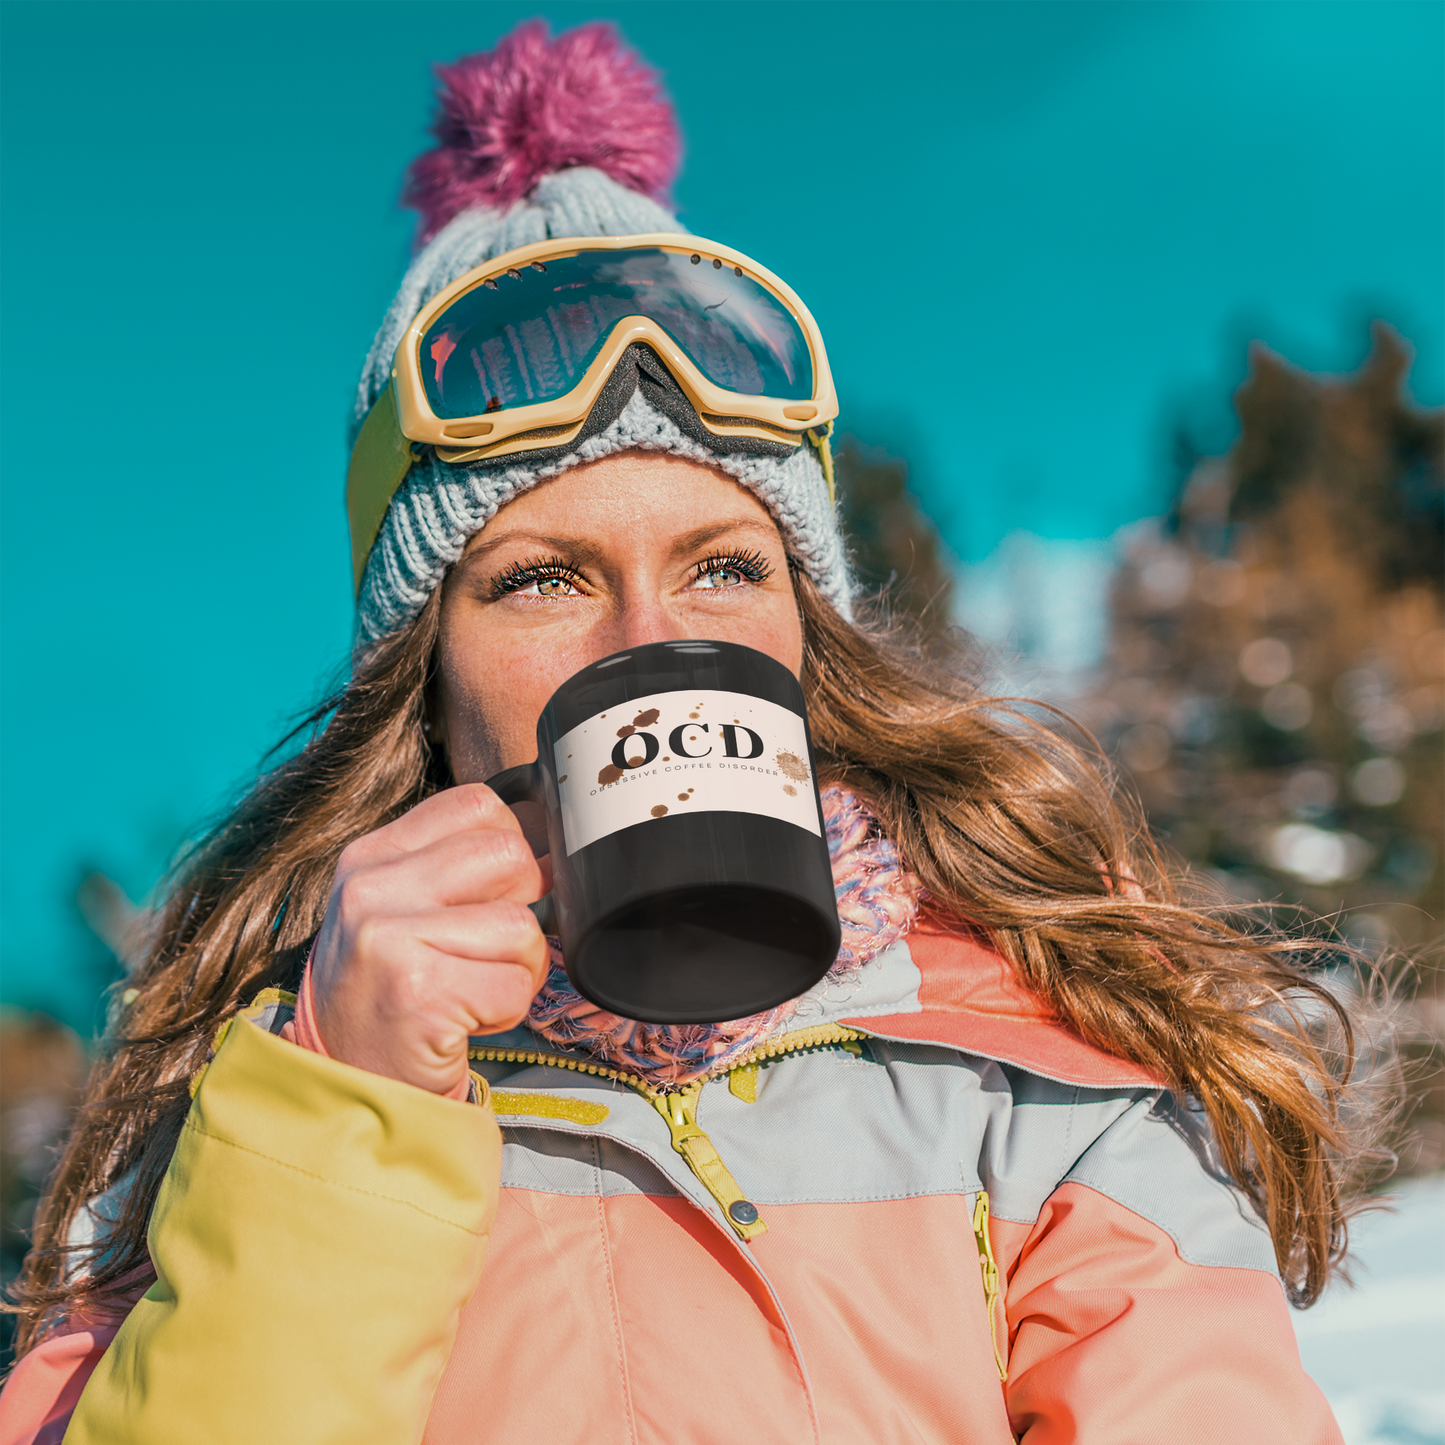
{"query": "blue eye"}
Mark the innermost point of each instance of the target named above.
(721, 577)
(732, 569)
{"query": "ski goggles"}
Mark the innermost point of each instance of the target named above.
(511, 357)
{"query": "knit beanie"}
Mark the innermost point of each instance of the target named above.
(539, 139)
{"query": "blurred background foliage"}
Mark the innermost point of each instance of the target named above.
(1272, 685)
(42, 1070)
(896, 550)
(1274, 681)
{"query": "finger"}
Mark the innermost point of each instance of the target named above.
(417, 1028)
(479, 966)
(475, 867)
(476, 998)
(499, 932)
(460, 809)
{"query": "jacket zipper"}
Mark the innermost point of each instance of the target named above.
(678, 1107)
(989, 1269)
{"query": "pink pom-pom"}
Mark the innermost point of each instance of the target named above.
(534, 106)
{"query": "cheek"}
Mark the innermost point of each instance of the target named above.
(491, 696)
(783, 641)
(774, 628)
(790, 637)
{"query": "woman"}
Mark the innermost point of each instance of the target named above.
(1041, 1158)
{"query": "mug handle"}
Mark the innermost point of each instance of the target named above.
(523, 784)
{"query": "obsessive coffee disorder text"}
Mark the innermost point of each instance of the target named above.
(677, 752)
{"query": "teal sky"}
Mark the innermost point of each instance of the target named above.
(1035, 236)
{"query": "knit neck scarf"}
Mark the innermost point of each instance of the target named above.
(877, 902)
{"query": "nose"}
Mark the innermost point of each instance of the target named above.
(645, 619)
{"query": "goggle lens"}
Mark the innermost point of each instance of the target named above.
(532, 338)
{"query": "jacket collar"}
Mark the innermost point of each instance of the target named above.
(968, 997)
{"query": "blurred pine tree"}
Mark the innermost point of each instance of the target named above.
(1275, 684)
(895, 549)
(42, 1069)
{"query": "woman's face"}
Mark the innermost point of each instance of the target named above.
(638, 547)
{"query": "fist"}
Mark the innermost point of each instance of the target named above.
(428, 939)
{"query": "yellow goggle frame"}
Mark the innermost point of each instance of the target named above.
(402, 414)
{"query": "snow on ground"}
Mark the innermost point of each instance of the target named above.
(1378, 1350)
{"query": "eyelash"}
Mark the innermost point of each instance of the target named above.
(516, 575)
(753, 565)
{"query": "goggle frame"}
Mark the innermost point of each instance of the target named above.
(403, 416)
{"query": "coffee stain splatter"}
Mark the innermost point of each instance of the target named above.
(682, 797)
(790, 765)
(790, 790)
(692, 714)
(667, 760)
(563, 778)
(659, 810)
(646, 719)
(626, 732)
(609, 774)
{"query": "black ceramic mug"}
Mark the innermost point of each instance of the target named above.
(690, 872)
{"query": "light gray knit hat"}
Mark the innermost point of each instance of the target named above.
(572, 93)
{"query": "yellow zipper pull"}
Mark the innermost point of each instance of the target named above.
(989, 1270)
(743, 1083)
(680, 1112)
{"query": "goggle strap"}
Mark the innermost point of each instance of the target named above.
(819, 437)
(382, 457)
(380, 461)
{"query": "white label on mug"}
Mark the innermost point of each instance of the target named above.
(683, 752)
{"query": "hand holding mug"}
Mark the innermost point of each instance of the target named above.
(428, 939)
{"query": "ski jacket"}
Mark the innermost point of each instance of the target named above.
(929, 1213)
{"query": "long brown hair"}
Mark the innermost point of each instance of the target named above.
(1014, 828)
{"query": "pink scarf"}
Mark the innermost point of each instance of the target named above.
(877, 903)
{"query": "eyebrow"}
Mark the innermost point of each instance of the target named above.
(584, 551)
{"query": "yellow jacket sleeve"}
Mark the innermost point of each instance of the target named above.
(315, 1239)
